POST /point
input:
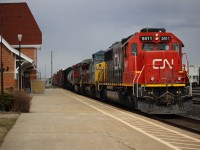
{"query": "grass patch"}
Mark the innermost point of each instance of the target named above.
(5, 125)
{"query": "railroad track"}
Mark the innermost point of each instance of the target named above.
(180, 121)
(196, 95)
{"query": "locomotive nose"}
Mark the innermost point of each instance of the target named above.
(161, 67)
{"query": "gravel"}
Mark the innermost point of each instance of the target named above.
(195, 113)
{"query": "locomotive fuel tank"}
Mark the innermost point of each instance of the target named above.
(116, 96)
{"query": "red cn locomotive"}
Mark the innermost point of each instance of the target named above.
(145, 71)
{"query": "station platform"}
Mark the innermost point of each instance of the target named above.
(62, 120)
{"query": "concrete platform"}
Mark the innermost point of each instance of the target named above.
(61, 120)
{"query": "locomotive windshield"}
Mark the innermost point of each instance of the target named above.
(162, 46)
(148, 46)
(152, 46)
(99, 58)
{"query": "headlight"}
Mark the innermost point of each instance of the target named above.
(179, 78)
(152, 78)
(156, 37)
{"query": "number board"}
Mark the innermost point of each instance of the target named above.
(146, 38)
(165, 38)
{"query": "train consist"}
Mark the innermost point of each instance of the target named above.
(143, 71)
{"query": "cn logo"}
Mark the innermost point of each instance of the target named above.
(162, 63)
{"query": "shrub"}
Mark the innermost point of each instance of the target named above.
(8, 101)
(17, 101)
(21, 101)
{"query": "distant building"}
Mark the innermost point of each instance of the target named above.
(16, 18)
(194, 75)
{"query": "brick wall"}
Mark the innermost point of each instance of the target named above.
(9, 61)
(30, 52)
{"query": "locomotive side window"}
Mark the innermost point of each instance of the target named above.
(162, 46)
(134, 50)
(176, 46)
(116, 61)
(125, 50)
(148, 46)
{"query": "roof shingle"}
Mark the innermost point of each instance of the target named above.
(16, 18)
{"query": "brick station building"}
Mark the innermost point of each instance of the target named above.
(16, 18)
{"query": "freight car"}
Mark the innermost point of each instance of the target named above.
(58, 78)
(143, 71)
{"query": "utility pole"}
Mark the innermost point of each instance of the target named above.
(45, 75)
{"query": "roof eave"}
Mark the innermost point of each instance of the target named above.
(37, 46)
(14, 50)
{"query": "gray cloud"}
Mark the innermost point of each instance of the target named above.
(74, 29)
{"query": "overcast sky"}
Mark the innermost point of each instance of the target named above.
(75, 29)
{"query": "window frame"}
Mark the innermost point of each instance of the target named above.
(179, 50)
(134, 46)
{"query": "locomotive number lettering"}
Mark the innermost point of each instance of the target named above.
(161, 63)
(146, 38)
(165, 38)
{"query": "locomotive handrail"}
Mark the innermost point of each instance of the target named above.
(186, 63)
(187, 66)
(139, 78)
(135, 72)
(134, 82)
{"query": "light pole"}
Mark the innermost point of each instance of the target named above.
(2, 88)
(20, 67)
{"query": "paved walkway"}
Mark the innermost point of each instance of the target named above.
(58, 121)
